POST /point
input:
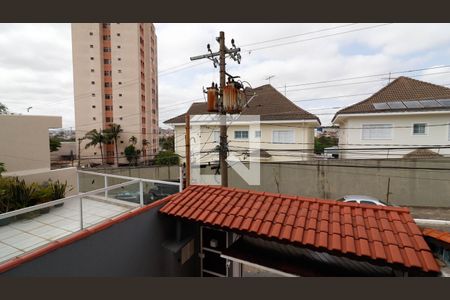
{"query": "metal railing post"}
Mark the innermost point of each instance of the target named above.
(78, 182)
(106, 186)
(81, 213)
(141, 192)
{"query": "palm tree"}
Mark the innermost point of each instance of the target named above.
(96, 138)
(145, 143)
(133, 140)
(113, 133)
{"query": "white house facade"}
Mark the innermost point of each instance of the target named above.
(405, 116)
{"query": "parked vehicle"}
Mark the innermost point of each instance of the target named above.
(158, 191)
(362, 199)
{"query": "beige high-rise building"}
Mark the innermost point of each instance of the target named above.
(115, 81)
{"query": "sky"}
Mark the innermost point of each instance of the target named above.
(36, 63)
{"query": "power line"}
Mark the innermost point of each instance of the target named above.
(315, 38)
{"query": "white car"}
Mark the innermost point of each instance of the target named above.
(362, 199)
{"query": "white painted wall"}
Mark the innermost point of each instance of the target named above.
(350, 134)
(303, 141)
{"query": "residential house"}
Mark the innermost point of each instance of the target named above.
(402, 117)
(270, 128)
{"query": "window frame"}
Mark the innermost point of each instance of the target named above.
(257, 136)
(376, 138)
(283, 130)
(240, 138)
(420, 134)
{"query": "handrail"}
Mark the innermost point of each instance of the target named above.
(128, 178)
(55, 202)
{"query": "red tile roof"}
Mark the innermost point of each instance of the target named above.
(442, 236)
(386, 235)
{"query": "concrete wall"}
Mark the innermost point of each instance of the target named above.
(333, 179)
(91, 182)
(350, 134)
(135, 247)
(203, 139)
(65, 150)
(25, 141)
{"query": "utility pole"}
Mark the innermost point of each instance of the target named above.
(79, 152)
(188, 150)
(234, 54)
(270, 77)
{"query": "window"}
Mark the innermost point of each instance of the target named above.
(257, 133)
(119, 71)
(92, 82)
(118, 46)
(108, 73)
(107, 61)
(108, 96)
(108, 107)
(94, 118)
(91, 33)
(241, 134)
(283, 136)
(92, 70)
(419, 128)
(93, 95)
(119, 59)
(93, 106)
(108, 84)
(118, 34)
(106, 49)
(92, 46)
(109, 119)
(120, 106)
(216, 136)
(106, 37)
(121, 142)
(120, 82)
(376, 131)
(120, 95)
(92, 58)
(120, 118)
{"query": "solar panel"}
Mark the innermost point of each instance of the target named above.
(382, 105)
(396, 104)
(445, 102)
(412, 104)
(430, 103)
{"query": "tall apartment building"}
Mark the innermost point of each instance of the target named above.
(115, 81)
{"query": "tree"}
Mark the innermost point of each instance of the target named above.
(132, 154)
(3, 109)
(96, 138)
(113, 133)
(324, 142)
(167, 158)
(133, 140)
(167, 143)
(55, 144)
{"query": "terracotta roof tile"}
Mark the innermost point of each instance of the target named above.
(385, 234)
(437, 234)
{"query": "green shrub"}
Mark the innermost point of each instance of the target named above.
(167, 158)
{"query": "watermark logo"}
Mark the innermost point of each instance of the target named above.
(243, 148)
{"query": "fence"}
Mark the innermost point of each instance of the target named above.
(28, 228)
(420, 182)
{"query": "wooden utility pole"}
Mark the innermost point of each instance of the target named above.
(223, 124)
(188, 150)
(234, 54)
(79, 152)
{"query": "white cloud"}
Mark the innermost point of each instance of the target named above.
(36, 62)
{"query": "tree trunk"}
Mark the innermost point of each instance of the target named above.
(117, 152)
(101, 152)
